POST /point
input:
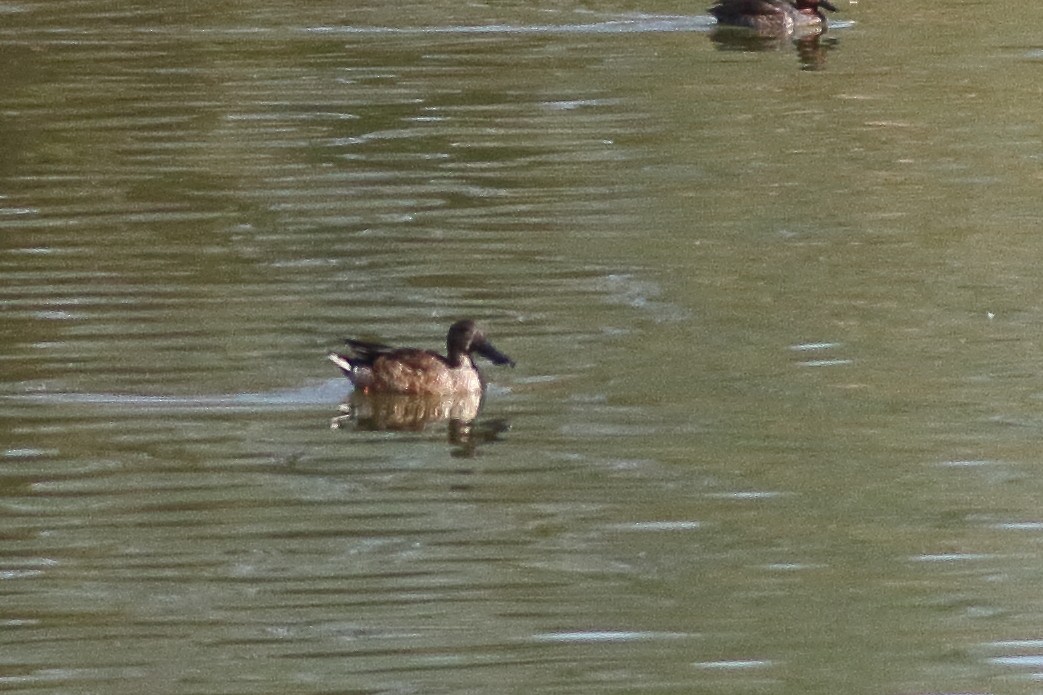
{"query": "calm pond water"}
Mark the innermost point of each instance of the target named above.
(776, 417)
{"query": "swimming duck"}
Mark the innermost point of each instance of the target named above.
(379, 368)
(772, 16)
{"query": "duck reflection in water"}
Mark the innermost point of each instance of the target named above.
(392, 412)
(409, 388)
(765, 25)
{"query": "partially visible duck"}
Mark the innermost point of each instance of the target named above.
(772, 16)
(379, 368)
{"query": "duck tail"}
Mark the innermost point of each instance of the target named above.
(342, 362)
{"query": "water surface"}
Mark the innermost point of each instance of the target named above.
(775, 417)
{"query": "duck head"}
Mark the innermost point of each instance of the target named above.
(465, 338)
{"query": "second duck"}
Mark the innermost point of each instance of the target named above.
(772, 16)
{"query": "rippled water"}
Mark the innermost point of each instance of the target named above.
(774, 422)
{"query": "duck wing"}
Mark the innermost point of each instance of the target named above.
(366, 351)
(731, 9)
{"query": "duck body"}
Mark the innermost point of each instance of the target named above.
(772, 16)
(378, 368)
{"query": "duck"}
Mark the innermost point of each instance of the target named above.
(772, 16)
(376, 368)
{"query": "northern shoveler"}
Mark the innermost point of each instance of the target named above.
(772, 16)
(378, 368)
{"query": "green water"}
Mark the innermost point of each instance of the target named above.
(775, 417)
